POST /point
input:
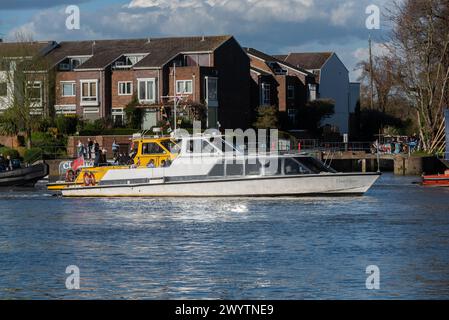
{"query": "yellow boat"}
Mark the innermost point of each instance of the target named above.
(144, 149)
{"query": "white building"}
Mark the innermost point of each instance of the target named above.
(12, 53)
(333, 83)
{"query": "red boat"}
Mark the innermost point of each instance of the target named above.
(439, 180)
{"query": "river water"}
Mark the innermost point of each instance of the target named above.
(307, 248)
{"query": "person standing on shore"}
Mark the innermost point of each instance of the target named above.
(81, 149)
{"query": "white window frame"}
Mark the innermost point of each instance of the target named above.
(73, 83)
(124, 84)
(264, 89)
(31, 84)
(118, 112)
(65, 109)
(146, 80)
(313, 94)
(89, 103)
(184, 82)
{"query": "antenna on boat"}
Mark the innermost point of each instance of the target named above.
(174, 93)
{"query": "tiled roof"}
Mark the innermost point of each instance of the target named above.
(158, 50)
(307, 60)
(22, 49)
(161, 50)
(269, 58)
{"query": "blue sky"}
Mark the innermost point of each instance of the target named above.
(273, 26)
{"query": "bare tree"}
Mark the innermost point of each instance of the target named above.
(385, 85)
(420, 47)
(25, 74)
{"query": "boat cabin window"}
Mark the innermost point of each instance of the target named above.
(200, 146)
(234, 169)
(292, 167)
(152, 148)
(171, 146)
(222, 144)
(217, 171)
(271, 167)
(252, 167)
(314, 165)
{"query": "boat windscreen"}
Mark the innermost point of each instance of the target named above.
(314, 165)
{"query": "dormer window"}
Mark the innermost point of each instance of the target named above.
(71, 63)
(277, 69)
(128, 60)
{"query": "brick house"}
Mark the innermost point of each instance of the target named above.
(277, 83)
(332, 83)
(97, 79)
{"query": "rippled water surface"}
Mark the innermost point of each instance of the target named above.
(308, 248)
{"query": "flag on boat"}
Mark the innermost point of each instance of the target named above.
(78, 163)
(446, 116)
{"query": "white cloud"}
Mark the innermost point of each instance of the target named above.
(275, 26)
(248, 10)
(342, 14)
(377, 49)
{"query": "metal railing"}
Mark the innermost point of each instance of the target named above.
(47, 153)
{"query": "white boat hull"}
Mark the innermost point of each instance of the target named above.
(303, 185)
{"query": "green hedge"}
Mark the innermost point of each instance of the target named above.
(14, 154)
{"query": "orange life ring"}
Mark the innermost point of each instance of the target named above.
(69, 176)
(92, 179)
(86, 179)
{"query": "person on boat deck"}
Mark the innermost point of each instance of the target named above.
(165, 164)
(151, 164)
(97, 153)
(90, 148)
(9, 164)
(136, 165)
(2, 162)
(103, 157)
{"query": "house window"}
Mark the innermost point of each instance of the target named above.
(184, 86)
(125, 88)
(292, 115)
(265, 94)
(291, 92)
(3, 89)
(89, 92)
(312, 92)
(65, 109)
(35, 92)
(147, 90)
(68, 89)
(118, 116)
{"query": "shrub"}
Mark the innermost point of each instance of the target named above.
(32, 155)
(66, 125)
(14, 154)
(134, 115)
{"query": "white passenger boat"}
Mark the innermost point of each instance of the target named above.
(210, 167)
